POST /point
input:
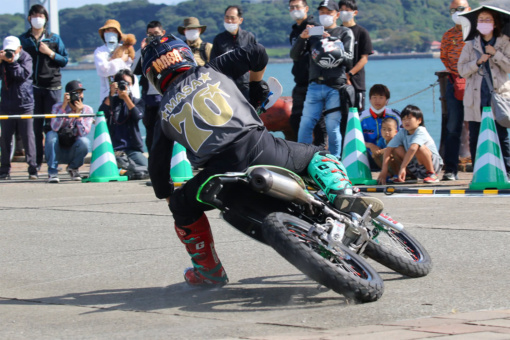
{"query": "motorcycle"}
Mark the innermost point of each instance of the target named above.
(274, 206)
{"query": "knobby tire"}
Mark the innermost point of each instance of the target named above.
(349, 275)
(400, 252)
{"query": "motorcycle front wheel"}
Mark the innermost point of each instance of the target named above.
(344, 272)
(399, 251)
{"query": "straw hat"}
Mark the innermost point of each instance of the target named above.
(190, 22)
(111, 23)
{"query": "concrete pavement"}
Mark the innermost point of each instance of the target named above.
(101, 261)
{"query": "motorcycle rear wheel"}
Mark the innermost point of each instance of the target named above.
(400, 252)
(347, 273)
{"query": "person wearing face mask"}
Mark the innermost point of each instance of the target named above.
(451, 47)
(371, 121)
(232, 38)
(192, 30)
(150, 96)
(17, 99)
(122, 113)
(325, 81)
(106, 67)
(488, 53)
(362, 49)
(298, 10)
(49, 55)
(67, 141)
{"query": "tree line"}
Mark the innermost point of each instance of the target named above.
(394, 25)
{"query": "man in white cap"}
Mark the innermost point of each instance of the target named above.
(17, 99)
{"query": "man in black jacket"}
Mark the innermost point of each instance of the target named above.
(17, 99)
(49, 55)
(326, 77)
(122, 113)
(299, 12)
(232, 38)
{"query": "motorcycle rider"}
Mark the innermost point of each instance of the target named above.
(203, 110)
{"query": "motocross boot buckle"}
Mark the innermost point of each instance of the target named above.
(331, 176)
(194, 278)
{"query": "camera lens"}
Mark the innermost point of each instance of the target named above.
(75, 97)
(123, 85)
(9, 54)
(151, 38)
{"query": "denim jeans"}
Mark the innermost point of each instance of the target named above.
(320, 97)
(137, 157)
(44, 100)
(72, 156)
(454, 125)
(320, 137)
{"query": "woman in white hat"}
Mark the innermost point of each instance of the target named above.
(106, 67)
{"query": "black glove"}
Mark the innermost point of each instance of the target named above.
(259, 90)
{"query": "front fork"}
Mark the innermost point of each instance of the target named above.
(354, 232)
(364, 229)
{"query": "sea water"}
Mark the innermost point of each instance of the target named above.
(403, 77)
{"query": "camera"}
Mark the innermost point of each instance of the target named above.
(151, 38)
(74, 97)
(9, 54)
(123, 85)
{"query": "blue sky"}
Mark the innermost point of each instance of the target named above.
(17, 6)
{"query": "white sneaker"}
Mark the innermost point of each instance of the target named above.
(53, 179)
(74, 173)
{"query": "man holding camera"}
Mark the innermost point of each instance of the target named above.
(17, 99)
(66, 142)
(122, 113)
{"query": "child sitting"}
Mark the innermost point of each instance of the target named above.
(414, 146)
(389, 129)
(371, 120)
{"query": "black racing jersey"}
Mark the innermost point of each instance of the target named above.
(205, 112)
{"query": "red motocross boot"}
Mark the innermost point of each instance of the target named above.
(207, 269)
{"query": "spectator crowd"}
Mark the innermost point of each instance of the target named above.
(398, 144)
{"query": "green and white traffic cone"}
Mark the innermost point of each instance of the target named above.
(180, 167)
(354, 153)
(103, 166)
(489, 171)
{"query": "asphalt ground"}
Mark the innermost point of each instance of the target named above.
(101, 261)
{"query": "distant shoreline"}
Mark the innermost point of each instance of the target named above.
(381, 56)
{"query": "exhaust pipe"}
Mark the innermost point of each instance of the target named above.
(273, 184)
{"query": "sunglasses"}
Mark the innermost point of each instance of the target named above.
(458, 9)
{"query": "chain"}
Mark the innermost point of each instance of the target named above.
(425, 89)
